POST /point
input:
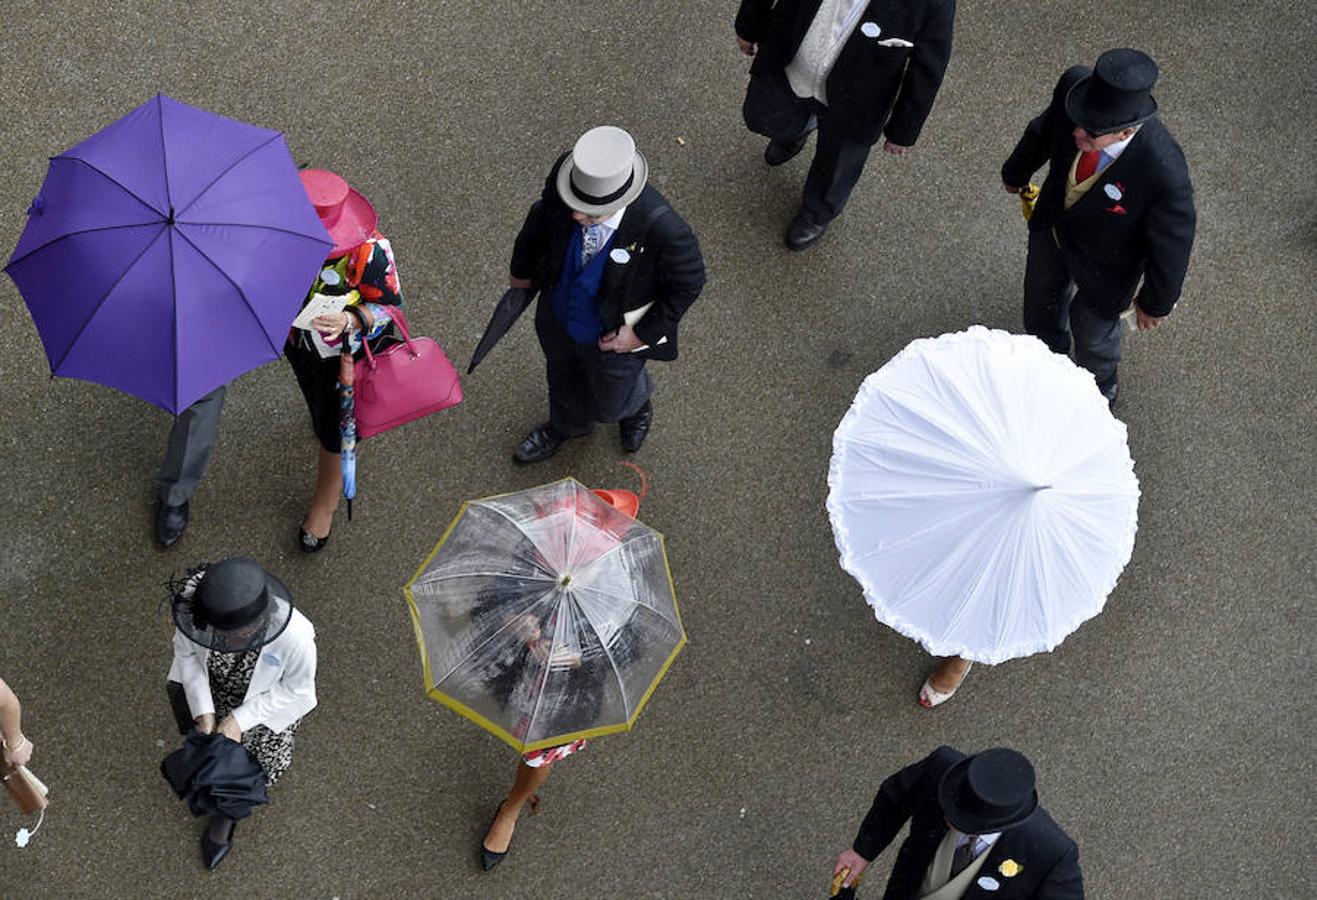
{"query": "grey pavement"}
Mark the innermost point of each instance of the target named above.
(1169, 733)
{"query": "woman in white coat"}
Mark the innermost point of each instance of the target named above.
(247, 662)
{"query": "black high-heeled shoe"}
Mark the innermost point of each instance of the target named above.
(211, 852)
(488, 858)
(309, 543)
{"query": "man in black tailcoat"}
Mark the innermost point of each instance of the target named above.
(976, 832)
(616, 268)
(855, 70)
(1116, 207)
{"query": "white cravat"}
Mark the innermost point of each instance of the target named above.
(833, 24)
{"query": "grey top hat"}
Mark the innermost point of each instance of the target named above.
(603, 173)
(231, 606)
(1116, 95)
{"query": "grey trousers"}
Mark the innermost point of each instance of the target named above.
(191, 441)
(1054, 313)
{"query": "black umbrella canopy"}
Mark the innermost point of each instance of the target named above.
(510, 307)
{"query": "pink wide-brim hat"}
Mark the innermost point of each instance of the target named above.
(346, 214)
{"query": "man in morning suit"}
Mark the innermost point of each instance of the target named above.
(855, 70)
(616, 268)
(976, 832)
(1116, 206)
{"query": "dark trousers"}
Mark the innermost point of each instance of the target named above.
(586, 384)
(772, 109)
(1055, 313)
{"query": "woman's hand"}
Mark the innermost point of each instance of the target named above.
(229, 728)
(331, 324)
(18, 752)
(206, 723)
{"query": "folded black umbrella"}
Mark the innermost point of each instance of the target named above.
(216, 776)
(510, 307)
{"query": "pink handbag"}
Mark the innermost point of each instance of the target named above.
(407, 381)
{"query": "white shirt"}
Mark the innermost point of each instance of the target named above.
(832, 26)
(1109, 154)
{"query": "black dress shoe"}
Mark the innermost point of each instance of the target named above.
(803, 232)
(777, 152)
(170, 523)
(488, 858)
(539, 445)
(309, 543)
(212, 853)
(635, 428)
(1111, 392)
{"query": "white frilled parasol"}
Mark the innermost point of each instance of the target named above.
(983, 495)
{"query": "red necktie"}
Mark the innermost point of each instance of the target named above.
(1088, 161)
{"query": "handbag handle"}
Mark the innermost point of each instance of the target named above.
(396, 314)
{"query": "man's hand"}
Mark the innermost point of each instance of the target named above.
(229, 728)
(206, 723)
(523, 283)
(1010, 188)
(849, 859)
(1145, 321)
(18, 753)
(623, 340)
(747, 47)
(896, 149)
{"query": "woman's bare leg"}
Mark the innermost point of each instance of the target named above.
(525, 785)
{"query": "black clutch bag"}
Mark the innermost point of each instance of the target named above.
(178, 703)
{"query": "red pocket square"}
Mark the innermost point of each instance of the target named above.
(1117, 209)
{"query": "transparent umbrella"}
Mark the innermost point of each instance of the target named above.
(983, 495)
(545, 615)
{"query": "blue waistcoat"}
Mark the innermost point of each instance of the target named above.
(573, 297)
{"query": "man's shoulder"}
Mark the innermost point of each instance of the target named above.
(1043, 834)
(667, 222)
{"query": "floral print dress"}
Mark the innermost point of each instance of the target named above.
(230, 674)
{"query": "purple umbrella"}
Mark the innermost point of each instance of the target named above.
(168, 253)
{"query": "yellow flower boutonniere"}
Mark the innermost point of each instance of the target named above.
(1010, 868)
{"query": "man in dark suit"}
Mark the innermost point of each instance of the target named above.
(976, 831)
(1116, 206)
(616, 269)
(853, 69)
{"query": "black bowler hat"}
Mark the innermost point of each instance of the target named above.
(231, 606)
(1115, 96)
(989, 791)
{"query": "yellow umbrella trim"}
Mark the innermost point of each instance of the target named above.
(467, 712)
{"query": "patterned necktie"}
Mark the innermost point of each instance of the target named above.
(964, 855)
(593, 240)
(1088, 163)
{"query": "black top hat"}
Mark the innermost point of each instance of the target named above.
(1115, 96)
(988, 792)
(231, 606)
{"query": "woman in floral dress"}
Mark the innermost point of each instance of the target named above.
(360, 269)
(247, 662)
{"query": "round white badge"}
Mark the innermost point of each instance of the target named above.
(870, 29)
(328, 276)
(1112, 191)
(988, 883)
(620, 256)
